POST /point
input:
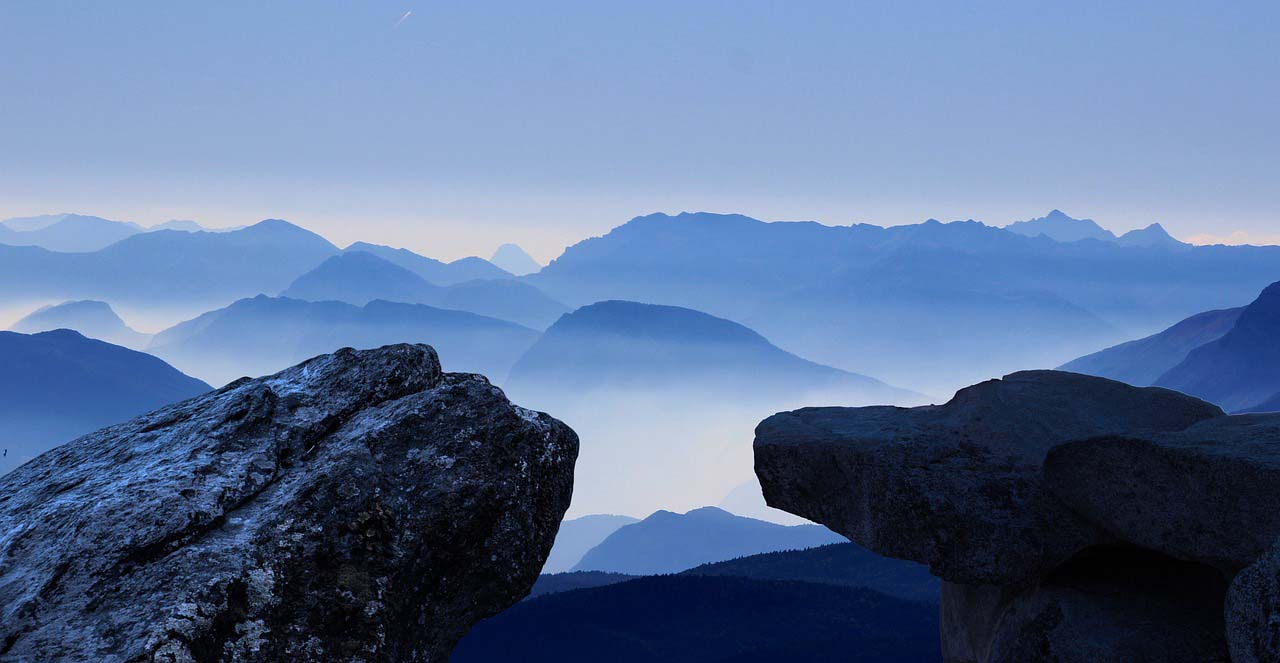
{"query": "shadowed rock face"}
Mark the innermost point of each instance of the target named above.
(1072, 518)
(358, 506)
(958, 486)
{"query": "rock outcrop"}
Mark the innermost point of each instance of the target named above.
(361, 506)
(1071, 518)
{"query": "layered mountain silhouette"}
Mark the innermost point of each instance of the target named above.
(168, 267)
(512, 258)
(91, 318)
(696, 618)
(667, 542)
(1142, 362)
(358, 277)
(1240, 370)
(264, 334)
(58, 385)
(432, 270)
(66, 232)
(619, 344)
(840, 564)
(669, 393)
(1153, 235)
(1058, 226)
(929, 306)
(578, 535)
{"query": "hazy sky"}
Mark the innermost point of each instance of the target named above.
(450, 127)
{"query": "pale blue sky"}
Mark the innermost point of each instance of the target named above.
(474, 123)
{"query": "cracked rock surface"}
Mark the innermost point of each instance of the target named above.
(361, 506)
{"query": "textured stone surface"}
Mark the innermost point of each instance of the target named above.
(1074, 519)
(958, 486)
(1114, 606)
(1253, 611)
(360, 506)
(1210, 493)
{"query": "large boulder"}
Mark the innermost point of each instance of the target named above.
(1072, 518)
(361, 506)
(958, 486)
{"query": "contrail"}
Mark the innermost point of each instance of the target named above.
(402, 19)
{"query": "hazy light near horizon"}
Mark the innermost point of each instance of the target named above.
(451, 128)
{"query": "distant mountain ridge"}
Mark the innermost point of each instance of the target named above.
(1241, 369)
(1062, 228)
(851, 296)
(58, 385)
(667, 542)
(578, 535)
(617, 344)
(432, 270)
(259, 335)
(514, 259)
(358, 277)
(168, 267)
(1142, 362)
(93, 319)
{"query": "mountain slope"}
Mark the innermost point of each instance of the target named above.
(58, 385)
(1152, 235)
(699, 619)
(667, 542)
(264, 334)
(1241, 369)
(91, 318)
(435, 271)
(359, 277)
(1143, 361)
(68, 233)
(844, 564)
(512, 258)
(578, 535)
(616, 344)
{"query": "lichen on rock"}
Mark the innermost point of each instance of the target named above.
(361, 506)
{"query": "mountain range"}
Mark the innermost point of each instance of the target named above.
(432, 270)
(1062, 228)
(58, 385)
(91, 318)
(1228, 357)
(619, 345)
(667, 542)
(928, 306)
(359, 277)
(78, 232)
(263, 334)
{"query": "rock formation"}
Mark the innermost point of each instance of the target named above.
(1071, 518)
(361, 506)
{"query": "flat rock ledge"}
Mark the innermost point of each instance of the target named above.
(1071, 518)
(361, 506)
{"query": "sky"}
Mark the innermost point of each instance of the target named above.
(452, 127)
